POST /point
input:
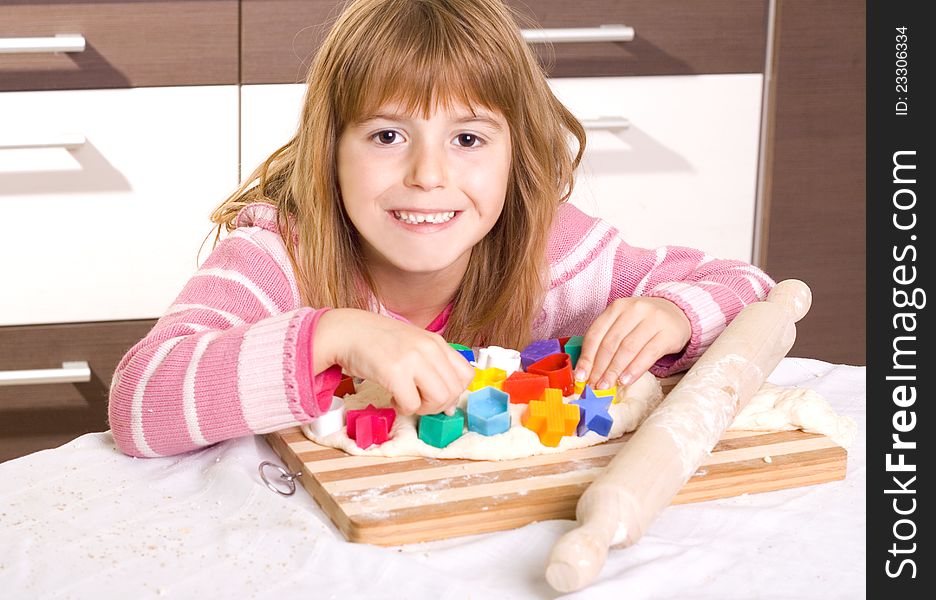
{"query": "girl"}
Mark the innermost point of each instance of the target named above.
(423, 194)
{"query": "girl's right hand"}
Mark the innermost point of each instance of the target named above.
(424, 374)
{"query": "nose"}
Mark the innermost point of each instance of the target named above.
(427, 169)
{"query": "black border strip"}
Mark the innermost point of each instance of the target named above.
(899, 269)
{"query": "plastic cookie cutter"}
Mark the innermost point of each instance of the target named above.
(493, 377)
(285, 475)
(331, 421)
(611, 392)
(550, 418)
(369, 426)
(594, 413)
(487, 411)
(440, 430)
(465, 351)
(558, 367)
(573, 347)
(345, 387)
(523, 387)
(538, 350)
(505, 359)
(370, 430)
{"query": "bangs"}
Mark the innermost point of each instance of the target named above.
(423, 58)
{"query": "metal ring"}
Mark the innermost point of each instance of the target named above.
(285, 475)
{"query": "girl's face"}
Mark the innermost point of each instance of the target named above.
(423, 192)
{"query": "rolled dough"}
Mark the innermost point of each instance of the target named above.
(772, 408)
(776, 408)
(635, 402)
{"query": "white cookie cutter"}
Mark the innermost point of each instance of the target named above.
(331, 421)
(501, 358)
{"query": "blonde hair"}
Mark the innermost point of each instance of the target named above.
(422, 53)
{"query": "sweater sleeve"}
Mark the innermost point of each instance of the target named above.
(711, 292)
(591, 266)
(231, 357)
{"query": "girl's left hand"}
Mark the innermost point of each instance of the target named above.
(628, 337)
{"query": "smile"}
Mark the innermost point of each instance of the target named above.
(414, 218)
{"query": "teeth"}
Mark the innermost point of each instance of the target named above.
(417, 218)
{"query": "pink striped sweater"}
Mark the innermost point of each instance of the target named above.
(232, 355)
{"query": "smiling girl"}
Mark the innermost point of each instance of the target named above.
(421, 201)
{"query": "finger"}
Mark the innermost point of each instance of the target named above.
(405, 395)
(458, 383)
(455, 374)
(433, 388)
(628, 348)
(590, 343)
(462, 371)
(616, 335)
(417, 367)
(651, 352)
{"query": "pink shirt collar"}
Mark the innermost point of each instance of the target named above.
(437, 325)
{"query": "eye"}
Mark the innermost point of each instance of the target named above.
(470, 139)
(386, 137)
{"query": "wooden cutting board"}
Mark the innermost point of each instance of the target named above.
(391, 501)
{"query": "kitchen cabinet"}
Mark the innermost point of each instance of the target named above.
(95, 44)
(700, 130)
(110, 229)
(45, 415)
(813, 213)
(114, 147)
(682, 172)
(673, 37)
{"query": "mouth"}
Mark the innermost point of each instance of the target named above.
(412, 217)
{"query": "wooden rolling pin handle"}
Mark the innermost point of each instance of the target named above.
(656, 462)
(793, 295)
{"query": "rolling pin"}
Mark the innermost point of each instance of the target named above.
(670, 445)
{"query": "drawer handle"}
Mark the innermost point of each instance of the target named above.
(63, 42)
(71, 372)
(68, 141)
(605, 123)
(602, 33)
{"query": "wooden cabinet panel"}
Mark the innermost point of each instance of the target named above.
(815, 192)
(127, 43)
(33, 417)
(672, 37)
(110, 230)
(279, 37)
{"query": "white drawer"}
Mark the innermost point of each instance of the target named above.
(684, 172)
(269, 118)
(109, 230)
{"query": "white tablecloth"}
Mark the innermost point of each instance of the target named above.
(84, 521)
